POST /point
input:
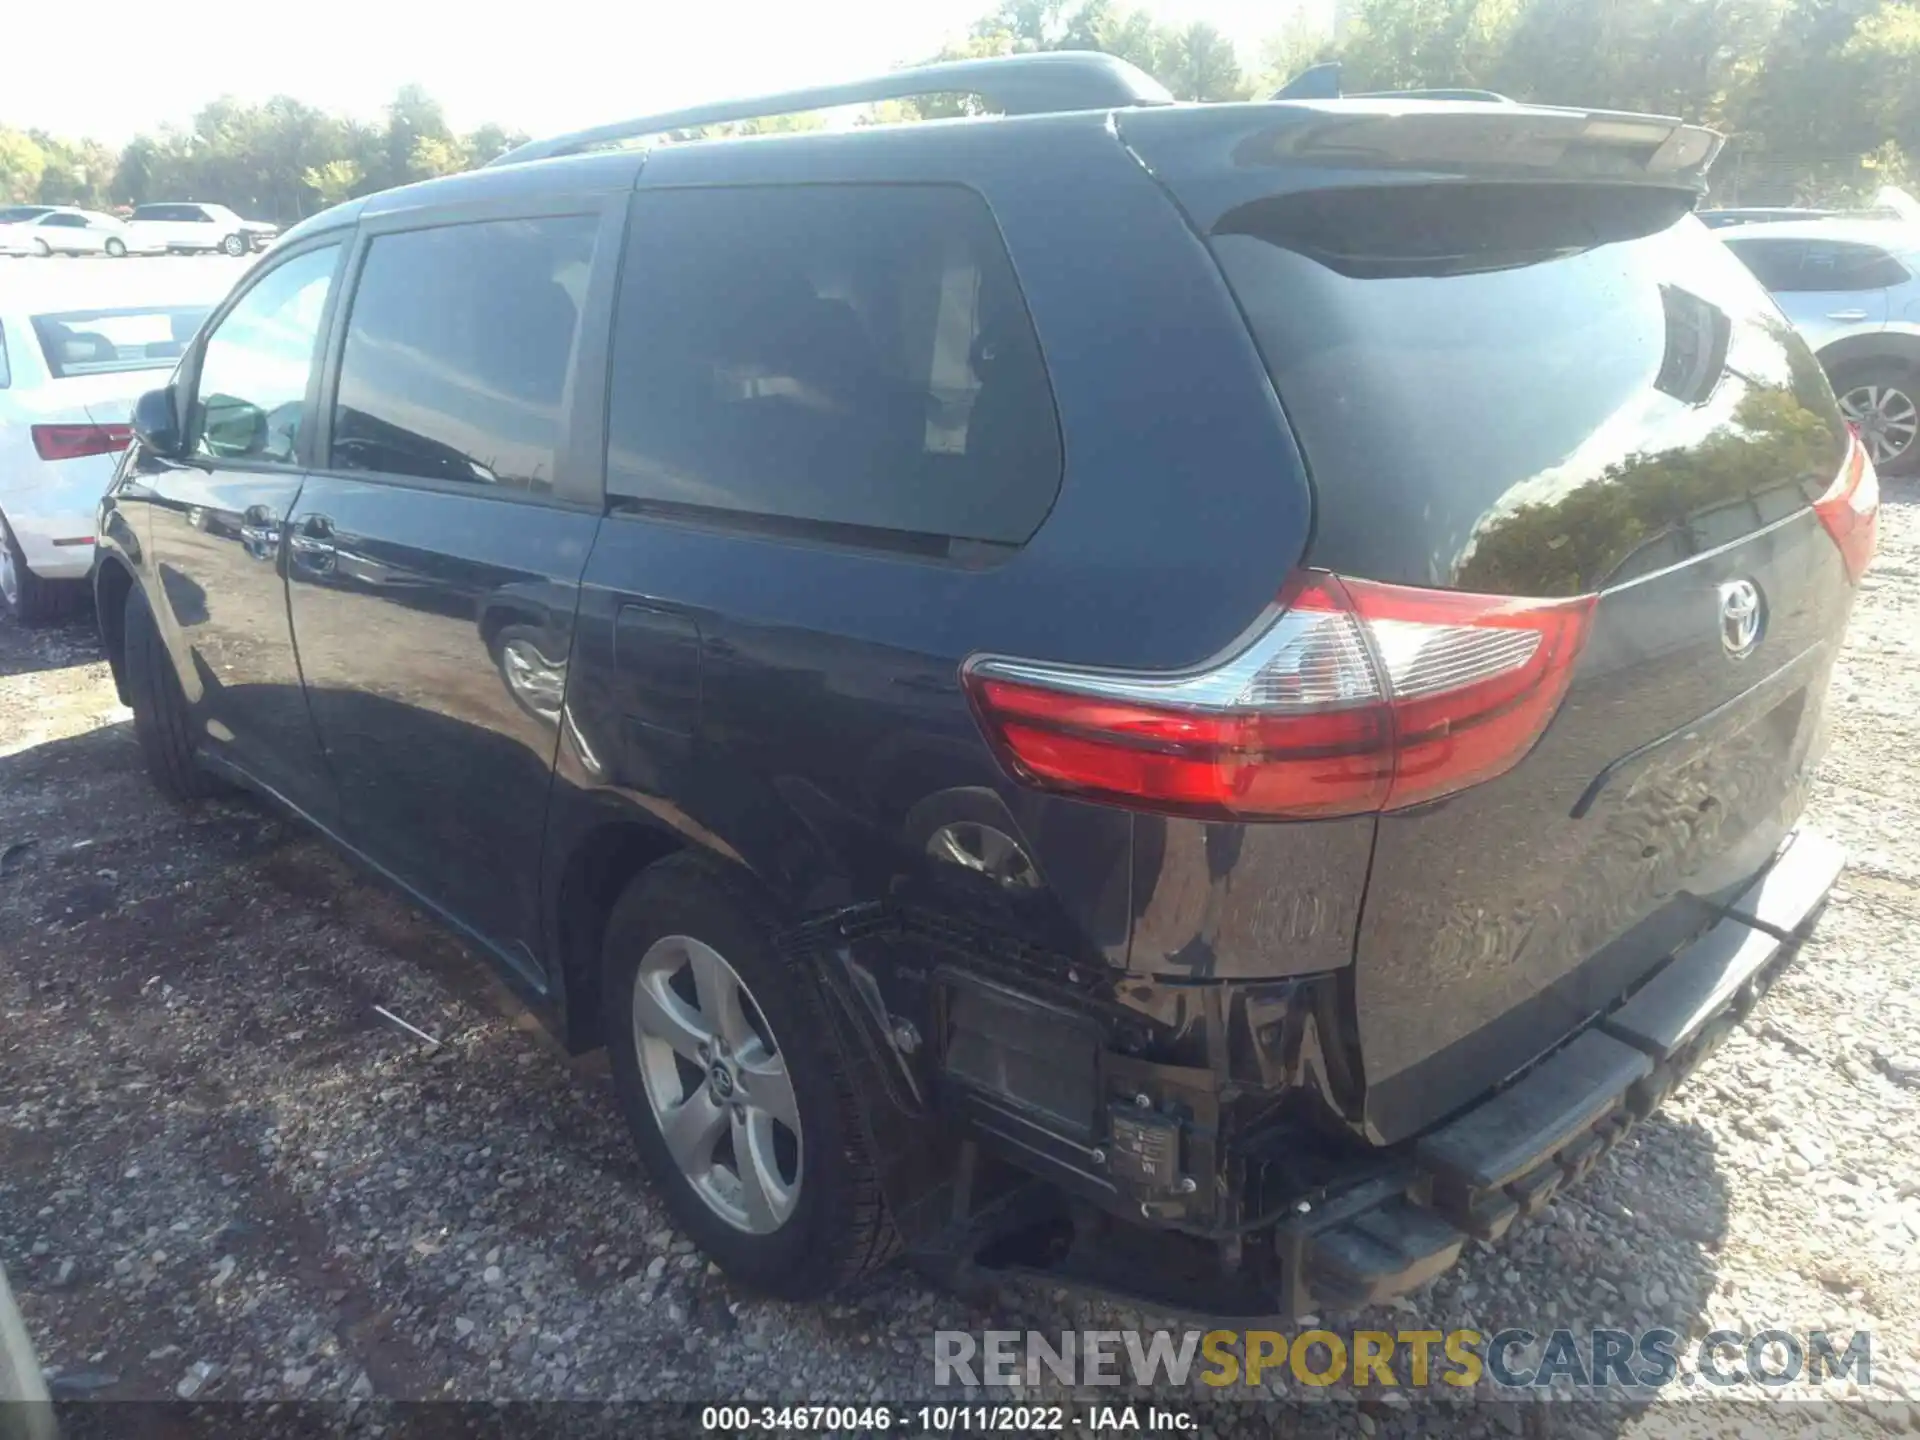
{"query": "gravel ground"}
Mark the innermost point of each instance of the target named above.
(223, 1174)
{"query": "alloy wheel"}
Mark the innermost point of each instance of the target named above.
(718, 1084)
(1886, 418)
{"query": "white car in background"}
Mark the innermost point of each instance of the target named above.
(69, 230)
(195, 226)
(13, 219)
(77, 346)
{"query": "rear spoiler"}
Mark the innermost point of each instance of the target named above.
(1661, 149)
(1216, 157)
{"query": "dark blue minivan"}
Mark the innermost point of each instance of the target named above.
(1203, 700)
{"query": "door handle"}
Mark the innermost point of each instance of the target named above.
(259, 532)
(312, 543)
(1846, 315)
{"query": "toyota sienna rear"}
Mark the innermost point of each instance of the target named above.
(1204, 701)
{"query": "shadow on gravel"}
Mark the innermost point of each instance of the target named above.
(102, 749)
(73, 639)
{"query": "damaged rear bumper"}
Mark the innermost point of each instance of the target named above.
(1058, 1156)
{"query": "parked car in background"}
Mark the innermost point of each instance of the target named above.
(1889, 203)
(68, 230)
(13, 220)
(1759, 215)
(77, 345)
(196, 227)
(1057, 801)
(1852, 288)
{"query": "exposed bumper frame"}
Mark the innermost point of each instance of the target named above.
(1390, 1220)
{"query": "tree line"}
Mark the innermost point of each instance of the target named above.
(1827, 91)
(279, 160)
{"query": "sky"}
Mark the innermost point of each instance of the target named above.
(543, 67)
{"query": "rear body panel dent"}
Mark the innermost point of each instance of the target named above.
(1216, 901)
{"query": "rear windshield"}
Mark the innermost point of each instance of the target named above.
(1526, 389)
(100, 342)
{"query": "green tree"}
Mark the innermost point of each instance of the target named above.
(1198, 63)
(22, 162)
(1695, 58)
(332, 182)
(1422, 44)
(1300, 44)
(414, 116)
(139, 167)
(436, 155)
(491, 141)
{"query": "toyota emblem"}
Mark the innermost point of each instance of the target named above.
(1742, 616)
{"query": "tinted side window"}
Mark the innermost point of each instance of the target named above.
(846, 354)
(458, 348)
(1835, 265)
(67, 222)
(1878, 270)
(254, 369)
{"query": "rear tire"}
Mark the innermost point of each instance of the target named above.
(832, 1226)
(1882, 398)
(27, 597)
(43, 249)
(161, 720)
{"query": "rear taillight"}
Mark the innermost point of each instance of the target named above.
(1851, 509)
(1357, 697)
(70, 442)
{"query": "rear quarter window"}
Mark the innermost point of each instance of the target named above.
(102, 342)
(1832, 265)
(839, 355)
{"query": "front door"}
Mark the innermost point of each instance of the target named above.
(218, 519)
(435, 559)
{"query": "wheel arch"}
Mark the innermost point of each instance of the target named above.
(112, 583)
(587, 880)
(1897, 347)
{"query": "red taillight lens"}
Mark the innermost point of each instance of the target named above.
(1474, 679)
(1359, 697)
(1851, 510)
(70, 442)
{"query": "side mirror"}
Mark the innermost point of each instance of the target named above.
(156, 423)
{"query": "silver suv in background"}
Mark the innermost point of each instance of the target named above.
(1852, 288)
(196, 226)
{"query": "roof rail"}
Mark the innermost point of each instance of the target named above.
(1322, 82)
(1034, 84)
